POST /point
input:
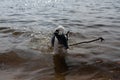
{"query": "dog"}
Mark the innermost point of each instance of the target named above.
(59, 41)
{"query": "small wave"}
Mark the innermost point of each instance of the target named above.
(7, 30)
(11, 58)
(96, 25)
(16, 14)
(77, 35)
(17, 21)
(2, 28)
(41, 43)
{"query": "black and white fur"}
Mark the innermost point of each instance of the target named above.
(59, 41)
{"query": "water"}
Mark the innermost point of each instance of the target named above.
(26, 27)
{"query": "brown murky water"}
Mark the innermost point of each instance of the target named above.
(26, 28)
(21, 60)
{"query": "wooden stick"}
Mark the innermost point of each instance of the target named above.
(100, 38)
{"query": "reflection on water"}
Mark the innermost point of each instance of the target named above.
(60, 66)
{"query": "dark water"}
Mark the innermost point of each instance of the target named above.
(26, 27)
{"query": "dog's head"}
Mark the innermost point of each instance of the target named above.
(60, 30)
(61, 36)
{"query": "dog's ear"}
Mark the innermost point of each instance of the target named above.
(56, 32)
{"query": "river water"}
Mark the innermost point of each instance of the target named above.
(26, 27)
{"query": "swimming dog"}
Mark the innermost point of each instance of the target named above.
(59, 40)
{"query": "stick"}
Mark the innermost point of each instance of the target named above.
(100, 38)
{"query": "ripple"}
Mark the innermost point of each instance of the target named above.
(11, 58)
(17, 21)
(28, 30)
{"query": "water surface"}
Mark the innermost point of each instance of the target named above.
(26, 27)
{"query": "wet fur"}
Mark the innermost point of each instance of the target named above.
(59, 41)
